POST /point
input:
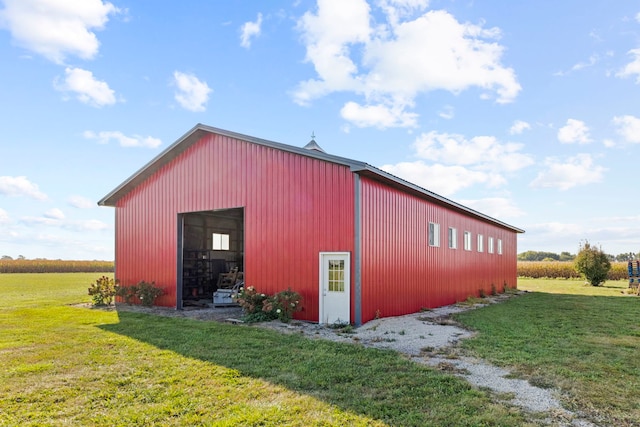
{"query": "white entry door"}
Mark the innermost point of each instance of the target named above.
(335, 284)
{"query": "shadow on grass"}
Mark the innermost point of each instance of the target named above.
(374, 383)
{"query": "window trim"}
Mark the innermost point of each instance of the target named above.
(467, 240)
(434, 234)
(490, 244)
(480, 243)
(453, 238)
(499, 246)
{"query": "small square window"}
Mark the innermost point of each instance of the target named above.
(434, 234)
(453, 238)
(220, 242)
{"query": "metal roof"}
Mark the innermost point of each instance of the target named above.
(361, 168)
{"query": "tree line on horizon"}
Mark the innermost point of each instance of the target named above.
(567, 256)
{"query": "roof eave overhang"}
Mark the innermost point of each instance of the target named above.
(408, 187)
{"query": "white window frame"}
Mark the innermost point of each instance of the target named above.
(499, 246)
(480, 243)
(434, 234)
(467, 240)
(220, 242)
(453, 238)
(490, 245)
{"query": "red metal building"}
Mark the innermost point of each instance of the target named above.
(353, 240)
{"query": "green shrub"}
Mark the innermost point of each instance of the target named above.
(148, 292)
(259, 307)
(593, 264)
(285, 303)
(252, 303)
(103, 291)
(144, 292)
(127, 293)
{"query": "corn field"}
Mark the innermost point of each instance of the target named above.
(564, 270)
(533, 269)
(54, 266)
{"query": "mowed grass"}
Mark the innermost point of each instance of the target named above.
(63, 364)
(581, 339)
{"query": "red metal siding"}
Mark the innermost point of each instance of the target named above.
(401, 273)
(295, 207)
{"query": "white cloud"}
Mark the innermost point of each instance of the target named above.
(192, 93)
(104, 137)
(327, 36)
(497, 207)
(87, 88)
(380, 116)
(577, 170)
(55, 28)
(518, 127)
(250, 30)
(593, 60)
(87, 225)
(574, 131)
(551, 235)
(460, 163)
(56, 218)
(482, 152)
(20, 186)
(4, 217)
(54, 213)
(447, 112)
(632, 68)
(392, 63)
(80, 202)
(440, 179)
(628, 128)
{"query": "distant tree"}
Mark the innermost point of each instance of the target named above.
(527, 256)
(566, 256)
(627, 256)
(21, 257)
(6, 258)
(538, 256)
(592, 263)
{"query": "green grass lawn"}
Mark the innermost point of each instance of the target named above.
(581, 339)
(63, 364)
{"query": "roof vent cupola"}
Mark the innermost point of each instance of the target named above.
(313, 145)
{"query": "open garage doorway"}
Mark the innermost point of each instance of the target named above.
(210, 254)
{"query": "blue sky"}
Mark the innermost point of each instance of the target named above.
(526, 111)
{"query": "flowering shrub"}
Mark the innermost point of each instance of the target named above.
(252, 303)
(259, 307)
(145, 292)
(285, 303)
(148, 292)
(103, 290)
